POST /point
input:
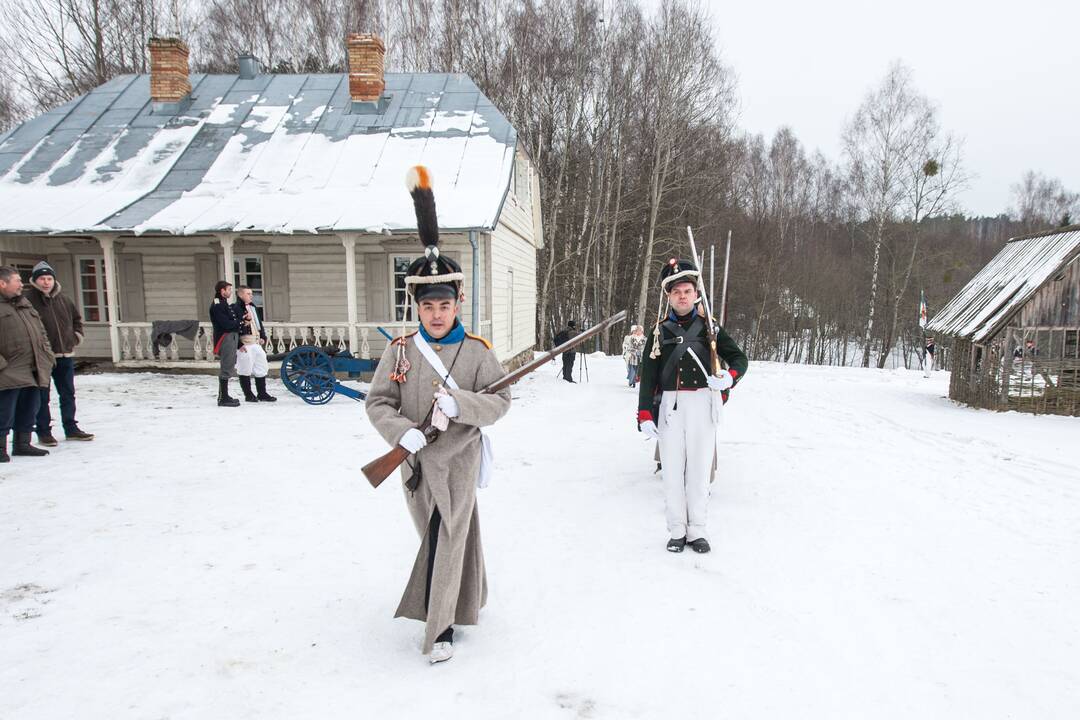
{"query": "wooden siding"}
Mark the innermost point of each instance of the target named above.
(509, 250)
(1057, 303)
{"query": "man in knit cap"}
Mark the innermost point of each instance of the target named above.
(64, 327)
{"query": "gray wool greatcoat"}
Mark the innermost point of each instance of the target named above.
(450, 467)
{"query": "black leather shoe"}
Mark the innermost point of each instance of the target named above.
(75, 434)
(676, 544)
(701, 545)
(47, 439)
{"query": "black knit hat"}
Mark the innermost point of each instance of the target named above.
(434, 276)
(676, 271)
(42, 268)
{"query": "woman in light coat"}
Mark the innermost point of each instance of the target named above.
(632, 346)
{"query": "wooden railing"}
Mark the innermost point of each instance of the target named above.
(137, 345)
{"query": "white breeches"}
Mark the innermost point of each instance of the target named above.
(251, 360)
(687, 444)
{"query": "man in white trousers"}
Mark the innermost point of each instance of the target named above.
(251, 355)
(679, 401)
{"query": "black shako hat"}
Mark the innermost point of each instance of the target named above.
(676, 271)
(434, 276)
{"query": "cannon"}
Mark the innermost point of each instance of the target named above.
(311, 372)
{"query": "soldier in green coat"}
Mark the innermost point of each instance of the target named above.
(680, 401)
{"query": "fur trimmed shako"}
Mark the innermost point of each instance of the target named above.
(673, 272)
(433, 276)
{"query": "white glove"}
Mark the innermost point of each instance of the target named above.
(721, 382)
(649, 428)
(413, 440)
(447, 404)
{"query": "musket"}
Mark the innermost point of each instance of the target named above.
(380, 468)
(710, 329)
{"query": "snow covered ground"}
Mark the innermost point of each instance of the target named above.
(878, 553)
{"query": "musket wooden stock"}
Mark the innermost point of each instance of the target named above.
(380, 468)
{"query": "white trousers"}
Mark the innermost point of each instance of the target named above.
(251, 360)
(687, 444)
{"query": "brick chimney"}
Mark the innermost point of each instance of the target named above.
(366, 53)
(169, 82)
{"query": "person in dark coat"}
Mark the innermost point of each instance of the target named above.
(565, 335)
(26, 363)
(680, 401)
(226, 338)
(63, 325)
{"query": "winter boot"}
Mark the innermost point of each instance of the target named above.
(4, 457)
(46, 438)
(701, 545)
(245, 385)
(443, 649)
(75, 434)
(676, 544)
(223, 399)
(22, 446)
(260, 387)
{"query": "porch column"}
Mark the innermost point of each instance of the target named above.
(226, 252)
(349, 241)
(111, 296)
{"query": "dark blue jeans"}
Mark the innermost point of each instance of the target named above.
(18, 407)
(64, 377)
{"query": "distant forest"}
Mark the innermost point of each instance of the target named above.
(629, 117)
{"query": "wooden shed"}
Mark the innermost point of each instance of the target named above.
(1015, 328)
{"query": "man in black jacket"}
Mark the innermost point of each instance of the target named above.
(564, 335)
(226, 337)
(64, 327)
(680, 400)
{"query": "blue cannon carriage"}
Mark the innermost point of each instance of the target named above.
(311, 372)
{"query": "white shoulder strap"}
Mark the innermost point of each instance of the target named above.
(433, 360)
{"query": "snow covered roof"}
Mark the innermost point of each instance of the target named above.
(1007, 283)
(275, 153)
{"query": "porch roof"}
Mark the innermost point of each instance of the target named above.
(274, 154)
(1006, 283)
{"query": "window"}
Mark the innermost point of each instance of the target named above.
(402, 306)
(92, 289)
(510, 306)
(522, 181)
(25, 266)
(248, 270)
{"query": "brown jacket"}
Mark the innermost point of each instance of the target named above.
(62, 321)
(26, 359)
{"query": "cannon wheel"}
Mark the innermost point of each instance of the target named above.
(307, 371)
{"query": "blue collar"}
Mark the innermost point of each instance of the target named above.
(682, 319)
(456, 335)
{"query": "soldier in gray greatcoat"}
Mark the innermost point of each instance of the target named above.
(439, 369)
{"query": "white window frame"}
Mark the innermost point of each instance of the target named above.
(522, 181)
(102, 291)
(393, 300)
(240, 277)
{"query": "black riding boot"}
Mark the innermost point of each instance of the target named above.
(22, 446)
(223, 399)
(245, 385)
(260, 388)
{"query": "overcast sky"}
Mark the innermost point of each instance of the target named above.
(1005, 76)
